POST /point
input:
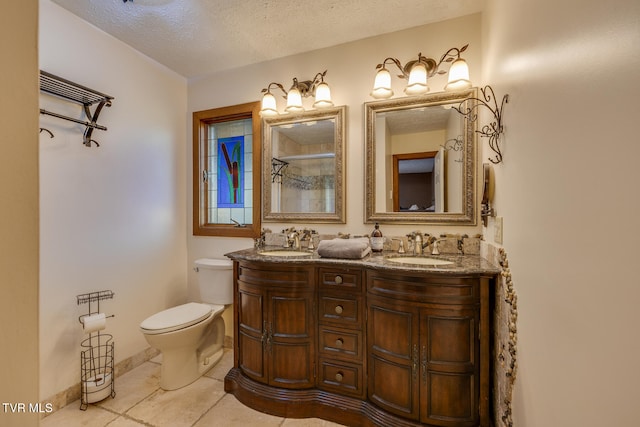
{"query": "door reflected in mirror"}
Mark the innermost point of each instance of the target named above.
(418, 183)
(421, 160)
(305, 178)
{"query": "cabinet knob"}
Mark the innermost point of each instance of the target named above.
(338, 280)
(339, 309)
(339, 376)
(339, 342)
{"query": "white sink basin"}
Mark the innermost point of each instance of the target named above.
(419, 260)
(285, 252)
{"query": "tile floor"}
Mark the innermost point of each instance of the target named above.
(140, 402)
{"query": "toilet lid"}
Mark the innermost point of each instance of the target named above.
(178, 317)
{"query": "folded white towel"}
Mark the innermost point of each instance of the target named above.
(344, 248)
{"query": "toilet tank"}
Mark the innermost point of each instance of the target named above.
(215, 280)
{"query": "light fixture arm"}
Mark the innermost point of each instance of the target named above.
(393, 61)
(308, 87)
(494, 129)
(277, 85)
(450, 56)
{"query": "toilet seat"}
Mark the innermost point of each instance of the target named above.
(179, 317)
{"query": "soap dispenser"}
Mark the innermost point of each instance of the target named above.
(377, 241)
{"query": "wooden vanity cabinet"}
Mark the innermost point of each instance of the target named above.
(276, 325)
(362, 346)
(424, 348)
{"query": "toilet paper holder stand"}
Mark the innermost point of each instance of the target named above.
(82, 316)
(93, 297)
(96, 355)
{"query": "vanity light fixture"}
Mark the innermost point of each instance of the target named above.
(419, 70)
(299, 89)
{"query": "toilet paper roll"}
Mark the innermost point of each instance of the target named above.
(94, 322)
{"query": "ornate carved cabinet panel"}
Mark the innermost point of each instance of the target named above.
(424, 349)
(393, 346)
(276, 325)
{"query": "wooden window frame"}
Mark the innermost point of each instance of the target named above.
(201, 122)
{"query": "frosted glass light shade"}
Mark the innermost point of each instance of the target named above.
(294, 101)
(458, 75)
(382, 85)
(268, 105)
(417, 80)
(323, 96)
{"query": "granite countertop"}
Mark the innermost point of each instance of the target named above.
(461, 264)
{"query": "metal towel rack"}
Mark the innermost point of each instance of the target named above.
(75, 92)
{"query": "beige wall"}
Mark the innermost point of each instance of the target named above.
(112, 217)
(19, 212)
(568, 193)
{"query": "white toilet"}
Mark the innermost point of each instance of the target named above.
(191, 336)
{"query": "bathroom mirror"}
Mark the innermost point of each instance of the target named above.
(421, 160)
(303, 173)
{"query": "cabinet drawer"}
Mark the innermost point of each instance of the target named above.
(343, 378)
(340, 278)
(343, 311)
(276, 275)
(337, 342)
(423, 289)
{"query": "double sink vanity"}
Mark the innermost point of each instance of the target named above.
(387, 340)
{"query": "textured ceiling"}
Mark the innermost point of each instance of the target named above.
(199, 37)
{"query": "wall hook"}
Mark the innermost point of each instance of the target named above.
(47, 131)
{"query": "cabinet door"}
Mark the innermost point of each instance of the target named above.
(252, 328)
(291, 339)
(392, 337)
(449, 355)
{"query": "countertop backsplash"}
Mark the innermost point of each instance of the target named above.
(448, 244)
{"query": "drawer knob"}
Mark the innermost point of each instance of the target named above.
(338, 280)
(339, 309)
(339, 377)
(339, 342)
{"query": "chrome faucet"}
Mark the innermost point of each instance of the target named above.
(259, 242)
(417, 238)
(292, 239)
(308, 235)
(434, 246)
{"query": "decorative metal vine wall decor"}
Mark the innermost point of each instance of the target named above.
(454, 144)
(492, 130)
